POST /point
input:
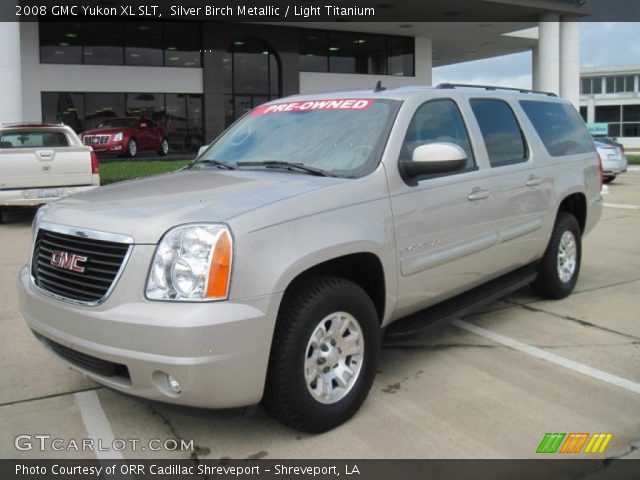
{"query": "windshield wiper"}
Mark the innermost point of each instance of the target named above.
(287, 166)
(217, 163)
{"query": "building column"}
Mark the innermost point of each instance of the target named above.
(570, 60)
(591, 111)
(549, 53)
(535, 71)
(10, 73)
(423, 60)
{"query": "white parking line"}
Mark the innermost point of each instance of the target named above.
(550, 357)
(626, 206)
(96, 423)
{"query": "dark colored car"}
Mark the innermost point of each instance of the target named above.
(127, 136)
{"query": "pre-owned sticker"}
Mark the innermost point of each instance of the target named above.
(311, 105)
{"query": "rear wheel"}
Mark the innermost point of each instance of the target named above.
(324, 354)
(560, 267)
(1, 215)
(164, 147)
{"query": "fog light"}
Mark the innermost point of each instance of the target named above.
(173, 384)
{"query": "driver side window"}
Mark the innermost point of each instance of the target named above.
(437, 121)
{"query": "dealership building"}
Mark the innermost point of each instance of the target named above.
(196, 77)
(610, 102)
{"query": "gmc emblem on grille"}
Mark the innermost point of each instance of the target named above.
(68, 261)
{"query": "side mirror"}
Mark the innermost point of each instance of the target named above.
(201, 150)
(435, 158)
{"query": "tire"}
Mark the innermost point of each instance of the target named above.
(609, 180)
(321, 300)
(1, 215)
(132, 148)
(554, 282)
(164, 147)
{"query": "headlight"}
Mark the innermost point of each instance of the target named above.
(118, 137)
(192, 263)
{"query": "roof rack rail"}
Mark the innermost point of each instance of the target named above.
(444, 86)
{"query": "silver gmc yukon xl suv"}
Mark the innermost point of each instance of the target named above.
(270, 268)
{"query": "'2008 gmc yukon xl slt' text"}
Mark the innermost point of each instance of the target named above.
(269, 268)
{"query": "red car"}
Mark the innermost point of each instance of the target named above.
(127, 136)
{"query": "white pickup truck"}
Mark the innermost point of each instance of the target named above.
(40, 163)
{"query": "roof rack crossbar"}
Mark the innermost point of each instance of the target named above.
(444, 86)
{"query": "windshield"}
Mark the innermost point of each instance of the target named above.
(344, 137)
(119, 122)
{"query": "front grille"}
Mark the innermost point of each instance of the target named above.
(96, 139)
(87, 362)
(84, 270)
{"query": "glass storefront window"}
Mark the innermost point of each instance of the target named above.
(251, 77)
(175, 44)
(179, 114)
(608, 114)
(372, 54)
(182, 45)
(61, 42)
(401, 56)
(103, 43)
(143, 44)
(631, 113)
(102, 106)
(313, 51)
(67, 108)
(148, 105)
(342, 52)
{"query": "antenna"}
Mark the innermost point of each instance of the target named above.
(379, 87)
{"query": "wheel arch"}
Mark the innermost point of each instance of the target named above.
(576, 205)
(363, 268)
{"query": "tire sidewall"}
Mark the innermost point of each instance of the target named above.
(129, 153)
(566, 223)
(355, 302)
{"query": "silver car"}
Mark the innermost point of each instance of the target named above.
(614, 160)
(270, 268)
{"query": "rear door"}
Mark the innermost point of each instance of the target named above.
(42, 158)
(522, 183)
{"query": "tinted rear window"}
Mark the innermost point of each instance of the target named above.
(501, 132)
(31, 139)
(560, 127)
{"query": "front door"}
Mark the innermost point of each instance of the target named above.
(445, 225)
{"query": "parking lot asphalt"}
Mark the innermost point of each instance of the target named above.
(489, 386)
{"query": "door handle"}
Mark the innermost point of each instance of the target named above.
(478, 194)
(533, 181)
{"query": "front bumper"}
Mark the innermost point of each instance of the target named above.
(29, 197)
(218, 352)
(112, 147)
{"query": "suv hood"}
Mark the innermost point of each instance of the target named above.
(145, 209)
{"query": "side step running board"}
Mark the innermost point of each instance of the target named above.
(463, 304)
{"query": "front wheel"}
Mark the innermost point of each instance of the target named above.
(132, 148)
(559, 269)
(609, 180)
(324, 354)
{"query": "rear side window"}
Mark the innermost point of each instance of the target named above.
(560, 127)
(501, 132)
(31, 139)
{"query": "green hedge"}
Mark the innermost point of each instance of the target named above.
(119, 171)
